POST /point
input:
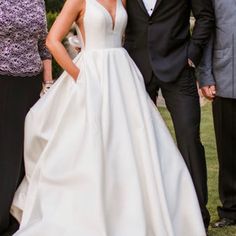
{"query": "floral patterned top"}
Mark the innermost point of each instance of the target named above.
(22, 37)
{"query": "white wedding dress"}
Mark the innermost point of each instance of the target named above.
(99, 159)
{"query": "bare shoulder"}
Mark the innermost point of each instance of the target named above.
(71, 12)
(74, 6)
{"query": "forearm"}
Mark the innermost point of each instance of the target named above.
(62, 57)
(47, 70)
(205, 68)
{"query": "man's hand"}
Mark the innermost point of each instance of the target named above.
(209, 92)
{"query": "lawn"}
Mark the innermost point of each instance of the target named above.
(208, 139)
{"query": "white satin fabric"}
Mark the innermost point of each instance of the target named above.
(99, 159)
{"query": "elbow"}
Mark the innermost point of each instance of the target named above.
(53, 43)
(49, 42)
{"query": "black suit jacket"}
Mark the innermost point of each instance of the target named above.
(161, 43)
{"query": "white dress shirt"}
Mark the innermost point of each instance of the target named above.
(150, 5)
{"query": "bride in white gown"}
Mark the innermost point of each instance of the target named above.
(99, 159)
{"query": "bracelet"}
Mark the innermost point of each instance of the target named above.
(48, 82)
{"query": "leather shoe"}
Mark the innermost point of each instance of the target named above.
(223, 222)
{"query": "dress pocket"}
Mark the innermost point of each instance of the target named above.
(75, 81)
(80, 67)
(79, 75)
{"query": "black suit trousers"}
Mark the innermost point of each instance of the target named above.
(182, 100)
(17, 95)
(224, 113)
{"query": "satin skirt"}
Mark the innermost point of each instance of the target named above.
(100, 161)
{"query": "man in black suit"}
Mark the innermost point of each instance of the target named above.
(158, 39)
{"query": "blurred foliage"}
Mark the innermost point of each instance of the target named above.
(54, 5)
(51, 17)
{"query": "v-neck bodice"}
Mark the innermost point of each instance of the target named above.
(101, 29)
(112, 16)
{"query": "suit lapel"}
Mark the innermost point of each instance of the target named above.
(157, 5)
(142, 6)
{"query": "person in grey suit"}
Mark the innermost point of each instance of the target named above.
(217, 80)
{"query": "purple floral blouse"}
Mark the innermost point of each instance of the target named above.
(23, 30)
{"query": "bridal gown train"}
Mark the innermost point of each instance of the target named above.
(99, 159)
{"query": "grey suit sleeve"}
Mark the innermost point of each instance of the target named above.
(205, 69)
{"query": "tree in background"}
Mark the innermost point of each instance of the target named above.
(54, 5)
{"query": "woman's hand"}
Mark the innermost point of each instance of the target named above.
(46, 86)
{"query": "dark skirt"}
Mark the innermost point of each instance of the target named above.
(17, 96)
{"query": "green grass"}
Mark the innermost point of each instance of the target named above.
(208, 139)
